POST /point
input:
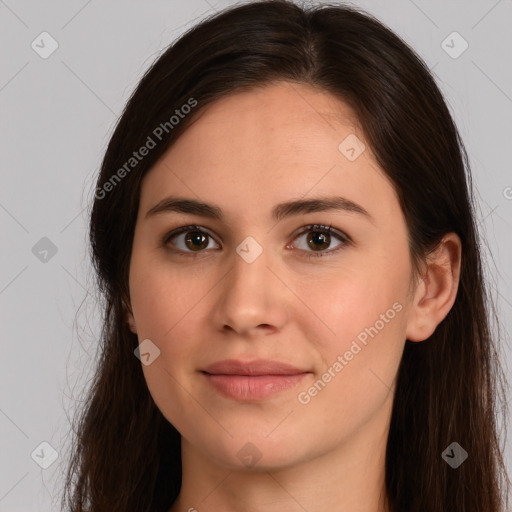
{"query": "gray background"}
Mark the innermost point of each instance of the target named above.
(56, 116)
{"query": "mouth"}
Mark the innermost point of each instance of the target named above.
(252, 381)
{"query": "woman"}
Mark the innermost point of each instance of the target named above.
(295, 315)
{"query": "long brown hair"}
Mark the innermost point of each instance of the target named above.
(450, 388)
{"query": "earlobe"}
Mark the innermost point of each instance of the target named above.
(436, 293)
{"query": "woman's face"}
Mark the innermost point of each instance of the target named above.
(255, 281)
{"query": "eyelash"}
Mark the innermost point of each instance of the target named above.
(342, 237)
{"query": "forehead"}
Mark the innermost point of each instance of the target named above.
(297, 100)
(264, 146)
(298, 113)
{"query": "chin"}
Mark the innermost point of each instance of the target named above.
(252, 452)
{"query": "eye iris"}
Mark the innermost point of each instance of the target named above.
(318, 238)
(198, 240)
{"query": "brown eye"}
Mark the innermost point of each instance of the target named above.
(188, 239)
(319, 238)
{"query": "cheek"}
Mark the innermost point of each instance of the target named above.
(165, 311)
(351, 300)
(362, 340)
(359, 366)
(161, 297)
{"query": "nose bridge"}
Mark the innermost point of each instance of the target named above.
(249, 275)
(250, 295)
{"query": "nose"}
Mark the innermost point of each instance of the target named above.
(252, 299)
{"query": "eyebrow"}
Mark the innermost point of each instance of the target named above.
(279, 212)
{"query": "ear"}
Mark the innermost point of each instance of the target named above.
(131, 322)
(129, 316)
(436, 292)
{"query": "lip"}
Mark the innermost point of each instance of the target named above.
(252, 380)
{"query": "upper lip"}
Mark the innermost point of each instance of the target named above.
(256, 367)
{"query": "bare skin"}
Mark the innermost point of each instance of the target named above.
(313, 451)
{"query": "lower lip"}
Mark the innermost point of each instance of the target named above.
(256, 387)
